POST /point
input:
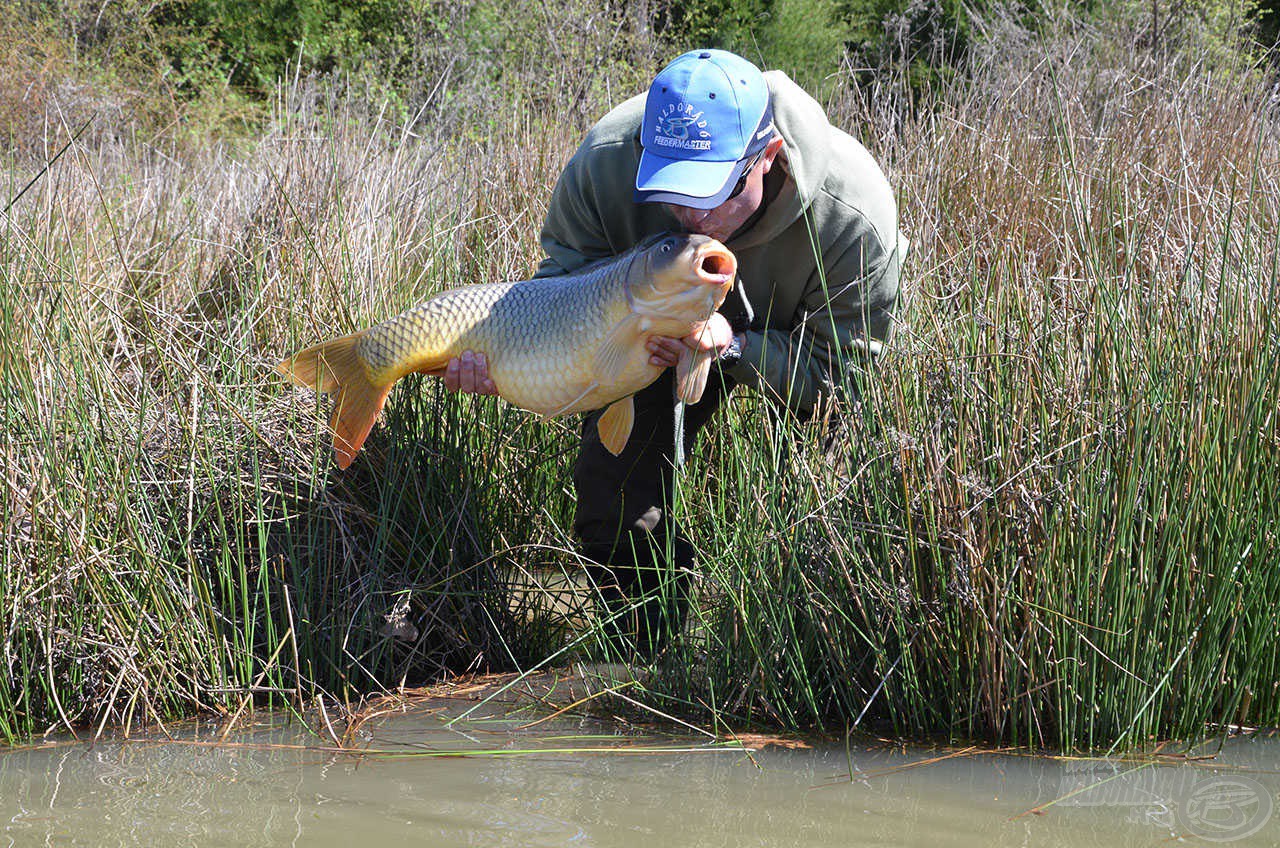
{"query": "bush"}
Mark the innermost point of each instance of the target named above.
(252, 44)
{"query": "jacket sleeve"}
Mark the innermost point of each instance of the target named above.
(845, 318)
(573, 233)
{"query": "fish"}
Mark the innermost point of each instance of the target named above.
(555, 345)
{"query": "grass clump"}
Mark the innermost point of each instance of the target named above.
(1046, 521)
(1049, 521)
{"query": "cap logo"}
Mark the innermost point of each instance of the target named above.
(681, 127)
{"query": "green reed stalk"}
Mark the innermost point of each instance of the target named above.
(1046, 521)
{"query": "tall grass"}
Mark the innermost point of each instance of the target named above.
(1051, 520)
(176, 537)
(1046, 522)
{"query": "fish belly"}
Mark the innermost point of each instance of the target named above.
(544, 385)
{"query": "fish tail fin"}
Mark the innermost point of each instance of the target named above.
(336, 367)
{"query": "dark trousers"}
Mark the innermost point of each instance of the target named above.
(640, 564)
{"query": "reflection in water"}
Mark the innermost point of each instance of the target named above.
(278, 787)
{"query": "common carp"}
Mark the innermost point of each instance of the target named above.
(555, 345)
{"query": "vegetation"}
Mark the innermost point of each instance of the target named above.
(1050, 523)
(1047, 522)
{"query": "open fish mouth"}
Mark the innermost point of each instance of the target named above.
(715, 265)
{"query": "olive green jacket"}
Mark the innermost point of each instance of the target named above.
(817, 269)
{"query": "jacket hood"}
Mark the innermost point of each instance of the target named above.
(805, 159)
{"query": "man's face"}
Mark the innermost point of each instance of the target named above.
(723, 221)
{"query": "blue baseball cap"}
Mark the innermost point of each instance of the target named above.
(707, 114)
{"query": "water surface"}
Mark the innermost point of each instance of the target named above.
(582, 781)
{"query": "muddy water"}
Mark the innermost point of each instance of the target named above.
(585, 782)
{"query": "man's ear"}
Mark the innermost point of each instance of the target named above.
(771, 152)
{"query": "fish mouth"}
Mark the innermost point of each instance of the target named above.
(715, 264)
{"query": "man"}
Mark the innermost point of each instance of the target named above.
(717, 148)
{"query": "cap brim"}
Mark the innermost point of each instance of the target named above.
(685, 182)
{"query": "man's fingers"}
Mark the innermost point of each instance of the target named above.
(484, 385)
(469, 373)
(663, 351)
(710, 336)
(469, 379)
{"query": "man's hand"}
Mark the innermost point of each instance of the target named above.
(469, 373)
(712, 336)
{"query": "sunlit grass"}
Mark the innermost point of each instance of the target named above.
(1048, 521)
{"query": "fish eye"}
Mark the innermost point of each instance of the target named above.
(668, 245)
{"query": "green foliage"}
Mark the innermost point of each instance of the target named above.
(808, 39)
(922, 41)
(1217, 30)
(253, 44)
(221, 52)
(241, 44)
(805, 38)
(1268, 23)
(922, 45)
(929, 35)
(725, 24)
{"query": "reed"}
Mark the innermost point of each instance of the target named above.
(1047, 520)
